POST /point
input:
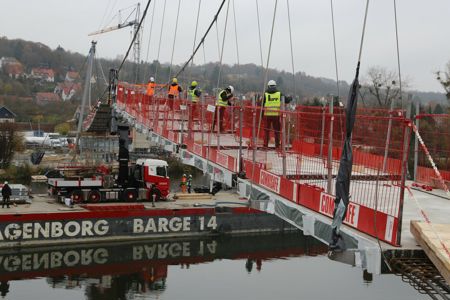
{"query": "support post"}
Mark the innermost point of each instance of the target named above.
(254, 131)
(330, 149)
(404, 172)
(416, 142)
(241, 116)
(218, 128)
(322, 132)
(388, 136)
(283, 134)
(182, 111)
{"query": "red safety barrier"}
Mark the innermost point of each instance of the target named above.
(309, 132)
(435, 132)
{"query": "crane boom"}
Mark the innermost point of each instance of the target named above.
(112, 28)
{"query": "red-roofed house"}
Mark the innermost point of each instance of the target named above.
(46, 98)
(43, 73)
(71, 76)
(67, 89)
(14, 70)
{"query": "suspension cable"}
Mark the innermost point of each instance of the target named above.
(223, 45)
(398, 55)
(160, 38)
(255, 146)
(174, 39)
(292, 48)
(150, 39)
(203, 38)
(335, 50)
(135, 35)
(237, 44)
(362, 39)
(336, 66)
(218, 40)
(259, 35)
(195, 38)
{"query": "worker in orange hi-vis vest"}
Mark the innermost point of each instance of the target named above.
(173, 92)
(151, 86)
(183, 183)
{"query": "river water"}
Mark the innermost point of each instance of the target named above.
(282, 266)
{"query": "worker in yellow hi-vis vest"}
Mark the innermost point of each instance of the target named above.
(272, 105)
(223, 100)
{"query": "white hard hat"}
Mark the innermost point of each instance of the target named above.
(271, 83)
(231, 88)
(6, 182)
(152, 79)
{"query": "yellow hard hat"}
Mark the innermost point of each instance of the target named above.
(174, 80)
(194, 83)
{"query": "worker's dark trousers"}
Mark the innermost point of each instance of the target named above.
(5, 201)
(170, 101)
(221, 117)
(274, 123)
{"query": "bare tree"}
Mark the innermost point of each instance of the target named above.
(383, 86)
(444, 79)
(10, 142)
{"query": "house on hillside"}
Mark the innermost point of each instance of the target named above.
(43, 74)
(47, 98)
(6, 115)
(7, 60)
(12, 67)
(14, 70)
(66, 90)
(71, 76)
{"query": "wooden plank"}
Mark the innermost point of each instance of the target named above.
(192, 196)
(430, 243)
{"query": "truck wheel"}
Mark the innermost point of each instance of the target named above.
(77, 196)
(130, 195)
(94, 196)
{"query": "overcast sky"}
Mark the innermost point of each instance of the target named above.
(424, 30)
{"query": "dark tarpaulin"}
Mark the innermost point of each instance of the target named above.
(345, 165)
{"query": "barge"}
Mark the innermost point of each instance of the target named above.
(48, 222)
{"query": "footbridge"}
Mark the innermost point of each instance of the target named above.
(297, 180)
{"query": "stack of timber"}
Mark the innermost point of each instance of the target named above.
(430, 238)
(192, 196)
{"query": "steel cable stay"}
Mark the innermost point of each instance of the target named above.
(292, 49)
(241, 105)
(266, 74)
(135, 35)
(336, 68)
(217, 111)
(202, 39)
(259, 34)
(195, 40)
(160, 40)
(146, 72)
(174, 40)
(223, 47)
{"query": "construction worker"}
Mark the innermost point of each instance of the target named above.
(194, 93)
(272, 104)
(173, 92)
(183, 183)
(151, 86)
(222, 102)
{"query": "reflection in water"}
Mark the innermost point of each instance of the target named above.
(123, 270)
(283, 266)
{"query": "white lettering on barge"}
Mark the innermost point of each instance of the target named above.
(56, 229)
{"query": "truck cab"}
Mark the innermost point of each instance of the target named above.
(155, 178)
